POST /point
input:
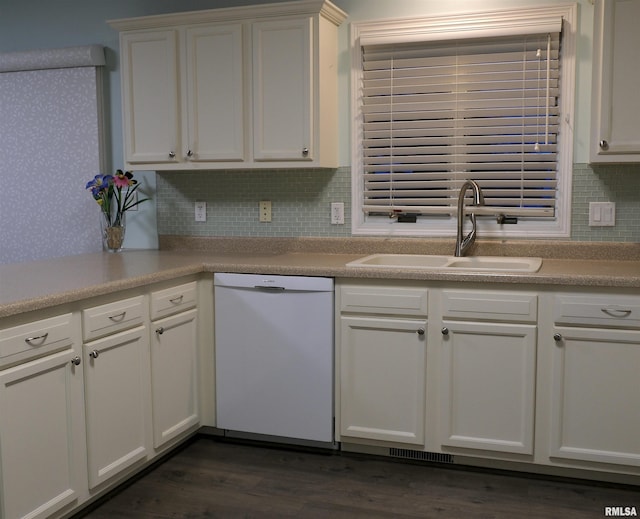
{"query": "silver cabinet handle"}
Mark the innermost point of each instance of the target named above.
(94, 354)
(176, 300)
(76, 361)
(189, 153)
(118, 317)
(617, 312)
(420, 331)
(557, 337)
(604, 145)
(305, 152)
(172, 154)
(445, 331)
(160, 331)
(41, 338)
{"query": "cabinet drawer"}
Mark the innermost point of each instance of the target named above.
(384, 300)
(502, 306)
(113, 317)
(35, 339)
(597, 310)
(173, 300)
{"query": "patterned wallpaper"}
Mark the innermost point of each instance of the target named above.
(50, 148)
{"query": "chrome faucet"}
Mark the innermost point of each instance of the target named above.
(462, 244)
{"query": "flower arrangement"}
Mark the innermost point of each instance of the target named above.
(107, 191)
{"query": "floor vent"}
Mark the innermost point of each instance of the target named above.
(421, 455)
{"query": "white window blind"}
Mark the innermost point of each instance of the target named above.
(437, 113)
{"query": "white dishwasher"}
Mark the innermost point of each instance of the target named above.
(274, 355)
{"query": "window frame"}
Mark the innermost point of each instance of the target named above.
(476, 24)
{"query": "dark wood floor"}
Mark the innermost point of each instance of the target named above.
(210, 479)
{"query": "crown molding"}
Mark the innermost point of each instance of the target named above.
(324, 8)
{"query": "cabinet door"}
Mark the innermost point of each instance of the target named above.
(616, 104)
(595, 395)
(150, 96)
(117, 402)
(174, 376)
(382, 379)
(215, 94)
(487, 387)
(41, 429)
(282, 90)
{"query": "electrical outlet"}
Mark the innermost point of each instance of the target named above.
(201, 211)
(337, 213)
(265, 211)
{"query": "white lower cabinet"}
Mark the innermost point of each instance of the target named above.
(174, 363)
(41, 418)
(79, 409)
(41, 436)
(594, 379)
(382, 345)
(118, 403)
(488, 370)
(117, 387)
(544, 377)
(174, 376)
(382, 378)
(487, 386)
(596, 392)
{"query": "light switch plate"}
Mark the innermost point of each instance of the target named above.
(602, 214)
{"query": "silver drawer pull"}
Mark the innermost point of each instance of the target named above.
(118, 317)
(94, 354)
(177, 300)
(41, 338)
(616, 312)
(160, 330)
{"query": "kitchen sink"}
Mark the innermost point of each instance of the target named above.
(402, 260)
(434, 262)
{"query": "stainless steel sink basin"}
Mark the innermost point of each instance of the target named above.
(433, 262)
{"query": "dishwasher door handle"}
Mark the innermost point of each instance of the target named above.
(269, 289)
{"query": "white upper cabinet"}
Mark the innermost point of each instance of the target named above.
(215, 100)
(242, 87)
(150, 96)
(616, 76)
(282, 90)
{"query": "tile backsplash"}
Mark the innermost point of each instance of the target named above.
(301, 202)
(610, 183)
